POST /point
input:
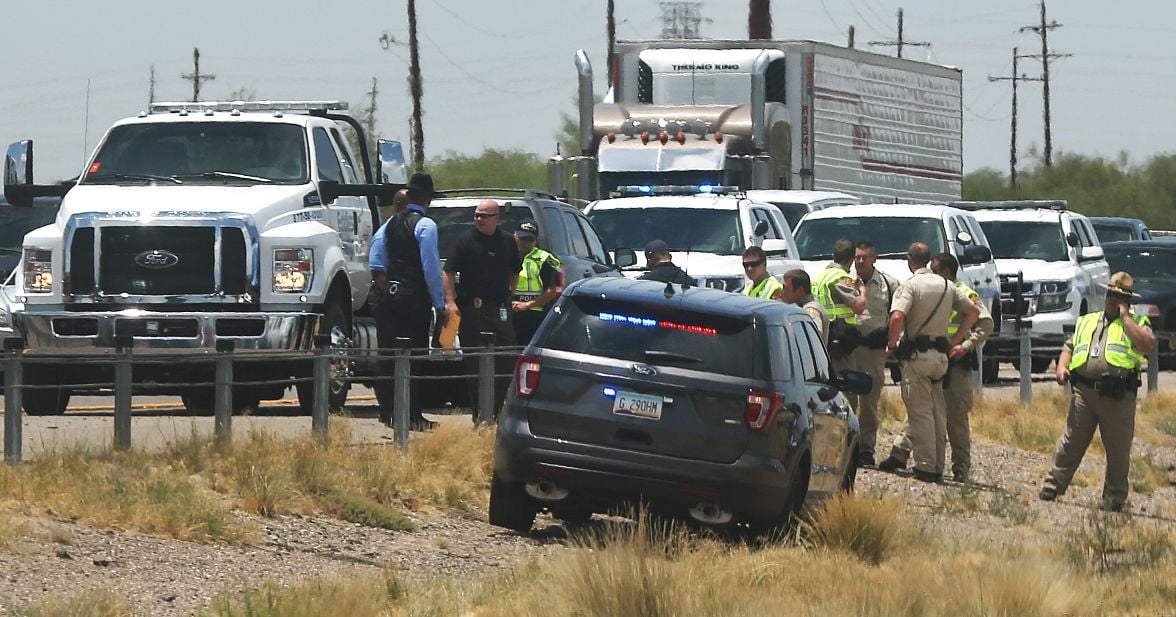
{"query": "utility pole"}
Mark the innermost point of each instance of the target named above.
(369, 114)
(1015, 77)
(1042, 29)
(196, 77)
(759, 19)
(151, 88)
(900, 42)
(415, 88)
(611, 26)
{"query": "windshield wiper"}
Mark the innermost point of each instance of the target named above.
(887, 255)
(8, 251)
(668, 356)
(224, 174)
(121, 176)
(820, 256)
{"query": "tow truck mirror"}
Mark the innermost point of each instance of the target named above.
(761, 229)
(975, 254)
(328, 191)
(1072, 238)
(18, 163)
(625, 257)
(393, 169)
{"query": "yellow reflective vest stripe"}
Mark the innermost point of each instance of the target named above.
(824, 295)
(766, 288)
(1120, 351)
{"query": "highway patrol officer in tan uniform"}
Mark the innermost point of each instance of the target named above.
(918, 329)
(962, 362)
(844, 299)
(1102, 361)
(797, 290)
(869, 356)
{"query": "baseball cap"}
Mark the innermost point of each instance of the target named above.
(528, 229)
(656, 246)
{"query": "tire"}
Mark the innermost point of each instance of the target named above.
(510, 507)
(45, 402)
(335, 323)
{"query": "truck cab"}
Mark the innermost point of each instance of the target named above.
(197, 227)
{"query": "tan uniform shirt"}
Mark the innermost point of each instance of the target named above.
(983, 328)
(919, 299)
(843, 292)
(817, 312)
(878, 291)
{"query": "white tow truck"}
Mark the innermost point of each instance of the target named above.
(196, 227)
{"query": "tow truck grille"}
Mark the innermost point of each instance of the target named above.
(189, 267)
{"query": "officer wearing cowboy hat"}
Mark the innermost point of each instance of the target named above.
(1101, 361)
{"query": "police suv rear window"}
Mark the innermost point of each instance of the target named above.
(634, 332)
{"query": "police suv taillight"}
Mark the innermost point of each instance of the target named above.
(526, 375)
(761, 408)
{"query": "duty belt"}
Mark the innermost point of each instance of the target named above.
(1086, 381)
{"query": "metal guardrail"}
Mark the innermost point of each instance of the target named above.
(403, 356)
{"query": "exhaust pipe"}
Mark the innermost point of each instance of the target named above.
(544, 489)
(710, 514)
(586, 102)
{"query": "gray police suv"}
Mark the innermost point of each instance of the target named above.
(698, 402)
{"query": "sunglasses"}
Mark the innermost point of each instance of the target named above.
(483, 215)
(753, 264)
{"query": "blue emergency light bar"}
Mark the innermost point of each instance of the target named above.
(639, 190)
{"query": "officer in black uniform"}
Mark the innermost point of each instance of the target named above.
(480, 278)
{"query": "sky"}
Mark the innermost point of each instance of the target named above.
(500, 74)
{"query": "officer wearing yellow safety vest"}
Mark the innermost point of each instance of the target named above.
(844, 299)
(755, 266)
(957, 383)
(1102, 363)
(538, 285)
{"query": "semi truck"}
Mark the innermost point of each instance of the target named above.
(767, 114)
(196, 228)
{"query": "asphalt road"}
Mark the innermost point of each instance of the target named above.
(158, 421)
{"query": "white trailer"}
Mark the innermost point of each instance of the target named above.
(766, 114)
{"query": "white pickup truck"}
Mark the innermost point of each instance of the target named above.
(1052, 270)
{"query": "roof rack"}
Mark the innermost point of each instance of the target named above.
(284, 106)
(1011, 204)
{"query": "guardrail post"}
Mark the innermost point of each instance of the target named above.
(486, 379)
(223, 385)
(123, 344)
(1153, 367)
(1026, 364)
(322, 385)
(401, 372)
(13, 395)
(978, 374)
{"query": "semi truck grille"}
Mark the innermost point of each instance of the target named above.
(157, 260)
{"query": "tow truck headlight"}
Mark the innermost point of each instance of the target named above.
(293, 270)
(38, 270)
(1052, 297)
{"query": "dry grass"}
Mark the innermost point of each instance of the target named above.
(191, 490)
(1035, 429)
(90, 603)
(861, 526)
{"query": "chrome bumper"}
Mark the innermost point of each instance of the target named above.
(166, 332)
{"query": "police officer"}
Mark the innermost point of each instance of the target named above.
(409, 293)
(962, 361)
(870, 354)
(661, 267)
(918, 325)
(844, 299)
(797, 289)
(1102, 363)
(755, 266)
(486, 259)
(538, 282)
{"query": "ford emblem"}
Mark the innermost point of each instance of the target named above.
(644, 369)
(157, 259)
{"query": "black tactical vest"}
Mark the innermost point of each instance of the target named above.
(404, 252)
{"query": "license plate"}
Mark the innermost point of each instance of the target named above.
(640, 405)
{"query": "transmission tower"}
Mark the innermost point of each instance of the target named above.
(680, 20)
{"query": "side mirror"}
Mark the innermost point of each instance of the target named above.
(854, 382)
(775, 247)
(393, 169)
(19, 189)
(625, 257)
(761, 229)
(1072, 238)
(328, 191)
(964, 238)
(975, 254)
